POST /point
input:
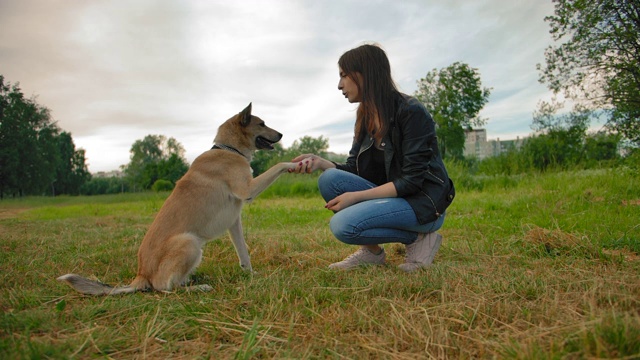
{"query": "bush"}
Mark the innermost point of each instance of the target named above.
(162, 185)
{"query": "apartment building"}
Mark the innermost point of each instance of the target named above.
(476, 144)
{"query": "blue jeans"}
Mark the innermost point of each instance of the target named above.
(371, 222)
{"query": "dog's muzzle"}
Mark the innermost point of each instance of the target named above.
(263, 143)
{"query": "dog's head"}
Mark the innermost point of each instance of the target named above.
(263, 136)
(247, 132)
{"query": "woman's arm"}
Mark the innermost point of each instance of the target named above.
(417, 133)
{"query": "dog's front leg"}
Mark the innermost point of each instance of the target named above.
(262, 181)
(241, 246)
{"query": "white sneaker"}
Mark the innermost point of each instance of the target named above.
(360, 257)
(421, 252)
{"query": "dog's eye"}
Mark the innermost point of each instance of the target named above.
(263, 125)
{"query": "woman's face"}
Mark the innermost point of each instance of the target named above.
(349, 87)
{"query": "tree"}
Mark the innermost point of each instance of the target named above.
(597, 63)
(153, 158)
(310, 145)
(35, 157)
(71, 171)
(546, 119)
(561, 137)
(601, 146)
(8, 154)
(454, 96)
(27, 159)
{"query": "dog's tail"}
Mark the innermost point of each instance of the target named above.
(92, 287)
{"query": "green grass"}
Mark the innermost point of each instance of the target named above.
(544, 266)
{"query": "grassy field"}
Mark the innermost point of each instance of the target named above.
(531, 267)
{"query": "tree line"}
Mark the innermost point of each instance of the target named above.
(157, 163)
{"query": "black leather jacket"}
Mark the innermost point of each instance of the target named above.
(412, 160)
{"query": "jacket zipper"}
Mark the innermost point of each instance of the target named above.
(358, 157)
(432, 203)
(434, 175)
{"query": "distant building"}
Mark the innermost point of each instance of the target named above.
(107, 174)
(476, 144)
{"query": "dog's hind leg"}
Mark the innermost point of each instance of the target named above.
(180, 259)
(241, 246)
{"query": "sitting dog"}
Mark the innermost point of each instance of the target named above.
(206, 202)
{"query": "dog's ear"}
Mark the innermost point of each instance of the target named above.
(245, 116)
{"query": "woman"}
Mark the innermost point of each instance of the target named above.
(394, 186)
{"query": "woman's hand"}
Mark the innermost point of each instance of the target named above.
(343, 201)
(347, 199)
(308, 163)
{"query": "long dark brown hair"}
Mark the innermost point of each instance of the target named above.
(378, 88)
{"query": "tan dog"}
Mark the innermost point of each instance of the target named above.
(205, 203)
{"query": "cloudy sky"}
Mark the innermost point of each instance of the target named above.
(113, 72)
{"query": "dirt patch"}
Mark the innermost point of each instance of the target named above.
(627, 255)
(558, 242)
(10, 213)
(552, 238)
